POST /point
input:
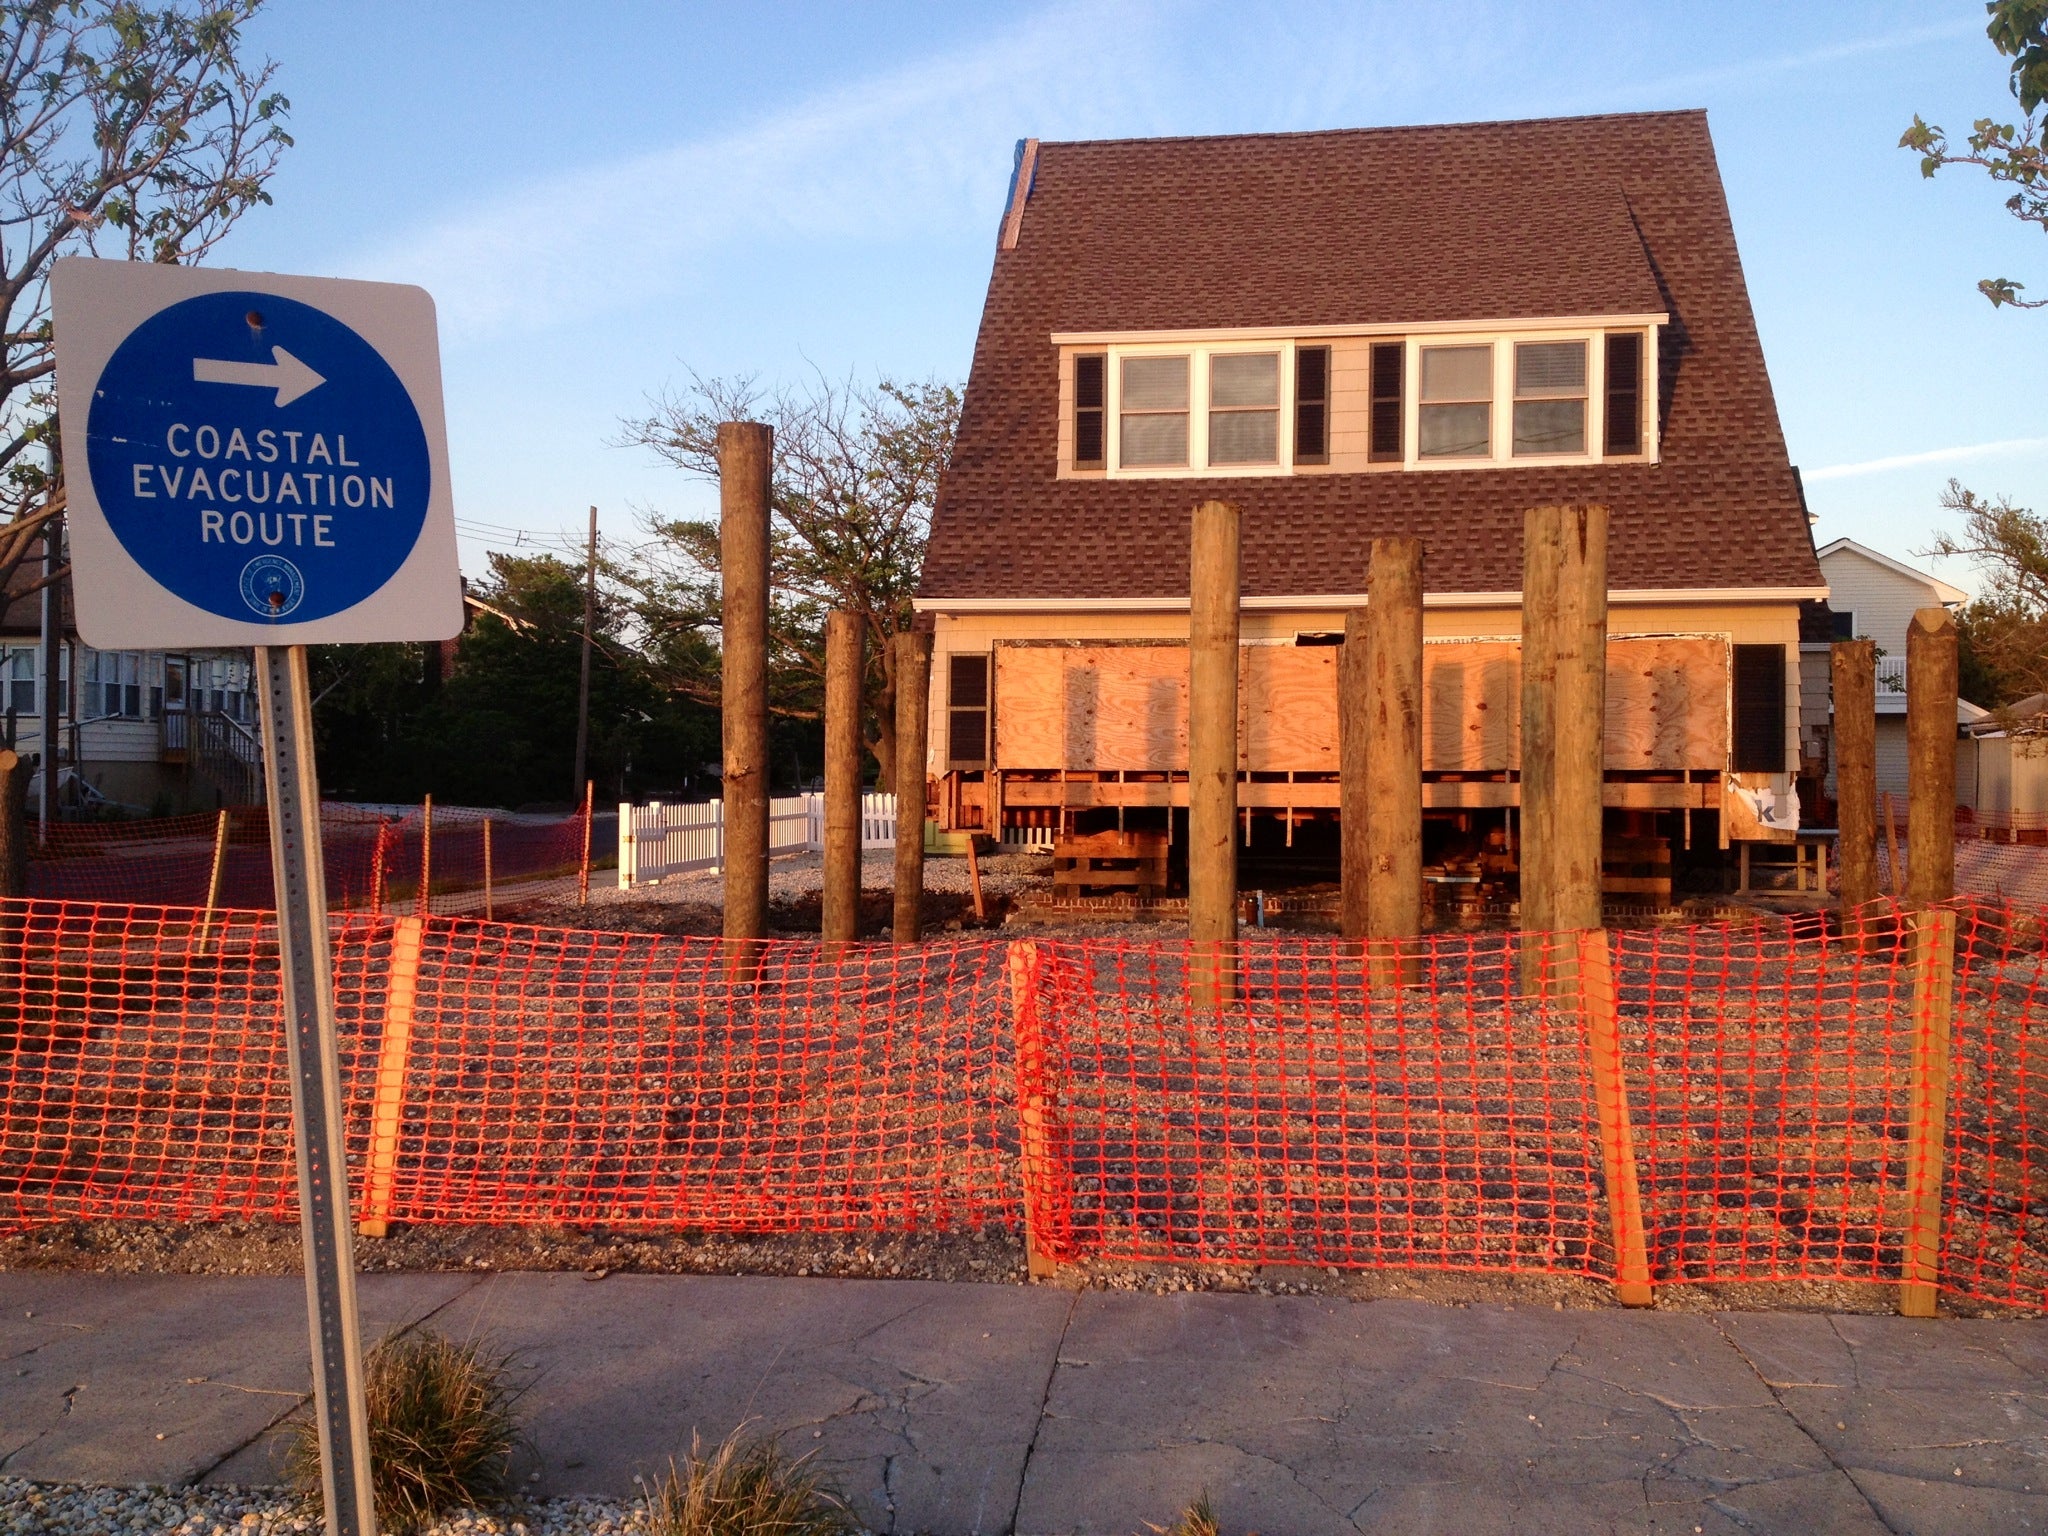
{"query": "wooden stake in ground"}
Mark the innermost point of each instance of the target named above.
(1354, 840)
(845, 661)
(489, 913)
(1213, 577)
(746, 452)
(1854, 664)
(1393, 758)
(214, 876)
(1933, 952)
(913, 714)
(1930, 757)
(426, 855)
(583, 866)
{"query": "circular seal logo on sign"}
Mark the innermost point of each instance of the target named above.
(272, 586)
(256, 456)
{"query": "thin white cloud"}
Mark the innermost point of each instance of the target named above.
(1931, 456)
(919, 149)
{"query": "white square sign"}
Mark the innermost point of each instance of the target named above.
(252, 459)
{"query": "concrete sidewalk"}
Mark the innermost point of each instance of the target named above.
(990, 1408)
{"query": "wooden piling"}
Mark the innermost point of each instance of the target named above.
(844, 663)
(1854, 664)
(1393, 759)
(1581, 716)
(14, 777)
(913, 718)
(1354, 839)
(746, 453)
(1564, 709)
(1930, 757)
(1213, 590)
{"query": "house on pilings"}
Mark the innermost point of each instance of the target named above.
(1416, 331)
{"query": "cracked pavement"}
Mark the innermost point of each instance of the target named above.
(989, 1408)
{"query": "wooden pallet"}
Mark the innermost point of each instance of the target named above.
(1109, 861)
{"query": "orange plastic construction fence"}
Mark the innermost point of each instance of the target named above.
(1729, 1103)
(374, 859)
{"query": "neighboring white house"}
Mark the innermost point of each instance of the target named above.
(1873, 597)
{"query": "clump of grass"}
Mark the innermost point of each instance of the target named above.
(442, 1430)
(746, 1487)
(1198, 1519)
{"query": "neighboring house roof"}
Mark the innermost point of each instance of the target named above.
(1946, 592)
(1488, 221)
(21, 611)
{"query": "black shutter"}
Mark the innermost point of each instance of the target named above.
(967, 711)
(1625, 394)
(1311, 405)
(1759, 709)
(1090, 369)
(1386, 400)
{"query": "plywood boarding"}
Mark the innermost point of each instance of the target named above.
(1287, 708)
(1471, 706)
(1124, 707)
(1092, 708)
(1667, 702)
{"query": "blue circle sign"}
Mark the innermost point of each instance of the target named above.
(258, 457)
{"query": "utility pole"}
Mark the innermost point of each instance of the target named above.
(583, 682)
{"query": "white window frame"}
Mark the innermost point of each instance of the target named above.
(1198, 465)
(1199, 347)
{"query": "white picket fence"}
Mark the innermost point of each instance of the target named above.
(657, 840)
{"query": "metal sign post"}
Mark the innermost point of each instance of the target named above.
(261, 460)
(308, 976)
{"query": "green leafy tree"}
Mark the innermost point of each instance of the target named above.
(500, 729)
(2014, 155)
(127, 130)
(856, 470)
(2004, 632)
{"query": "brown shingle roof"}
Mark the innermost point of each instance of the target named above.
(1576, 216)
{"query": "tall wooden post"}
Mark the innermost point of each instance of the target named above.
(1393, 757)
(1930, 757)
(1213, 578)
(913, 714)
(1581, 714)
(1537, 861)
(1854, 664)
(1353, 834)
(1564, 710)
(844, 663)
(746, 452)
(13, 823)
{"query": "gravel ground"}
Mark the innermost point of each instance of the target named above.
(61, 1509)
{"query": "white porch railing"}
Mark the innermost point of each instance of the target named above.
(658, 840)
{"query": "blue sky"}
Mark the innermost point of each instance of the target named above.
(601, 202)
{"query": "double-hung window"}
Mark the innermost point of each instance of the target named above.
(1244, 408)
(1152, 414)
(19, 676)
(1550, 397)
(1455, 414)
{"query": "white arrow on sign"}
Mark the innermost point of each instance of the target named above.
(288, 376)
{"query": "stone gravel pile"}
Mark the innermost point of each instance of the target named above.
(72, 1509)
